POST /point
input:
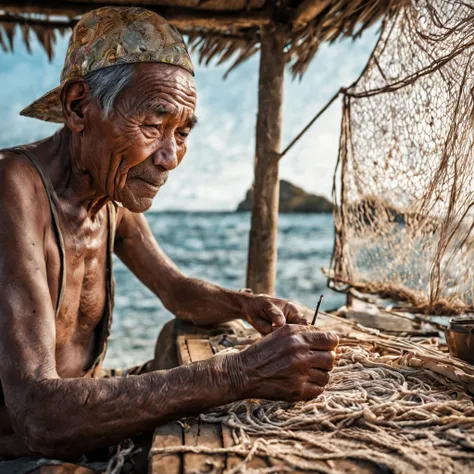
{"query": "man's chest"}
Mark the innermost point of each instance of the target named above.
(83, 256)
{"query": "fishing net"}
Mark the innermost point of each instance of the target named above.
(404, 181)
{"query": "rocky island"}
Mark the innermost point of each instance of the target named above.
(292, 200)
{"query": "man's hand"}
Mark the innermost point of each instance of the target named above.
(265, 313)
(291, 364)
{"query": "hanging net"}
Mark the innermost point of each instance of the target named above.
(404, 185)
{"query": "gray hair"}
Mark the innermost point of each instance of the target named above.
(108, 83)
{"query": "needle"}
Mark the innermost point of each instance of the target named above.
(317, 310)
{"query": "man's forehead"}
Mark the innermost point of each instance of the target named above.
(164, 75)
(162, 89)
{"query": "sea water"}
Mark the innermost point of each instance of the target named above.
(213, 247)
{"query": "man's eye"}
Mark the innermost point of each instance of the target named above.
(152, 125)
(183, 134)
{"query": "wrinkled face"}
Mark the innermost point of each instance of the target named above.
(130, 153)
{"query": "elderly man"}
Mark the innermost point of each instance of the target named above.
(127, 100)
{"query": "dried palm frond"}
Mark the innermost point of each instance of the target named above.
(239, 40)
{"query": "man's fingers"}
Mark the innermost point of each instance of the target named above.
(311, 390)
(314, 385)
(318, 377)
(301, 320)
(294, 315)
(322, 359)
(320, 340)
(275, 314)
(262, 325)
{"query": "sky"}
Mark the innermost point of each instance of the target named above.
(218, 168)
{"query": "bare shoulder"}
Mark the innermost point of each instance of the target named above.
(22, 193)
(129, 223)
(17, 171)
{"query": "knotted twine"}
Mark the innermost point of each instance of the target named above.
(406, 419)
(125, 450)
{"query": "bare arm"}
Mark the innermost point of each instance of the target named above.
(64, 417)
(191, 299)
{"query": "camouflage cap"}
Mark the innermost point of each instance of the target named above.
(109, 36)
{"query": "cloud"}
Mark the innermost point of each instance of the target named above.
(218, 168)
(219, 164)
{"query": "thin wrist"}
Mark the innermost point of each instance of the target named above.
(235, 369)
(245, 297)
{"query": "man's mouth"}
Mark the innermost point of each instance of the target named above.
(154, 183)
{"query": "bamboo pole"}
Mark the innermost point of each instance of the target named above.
(261, 269)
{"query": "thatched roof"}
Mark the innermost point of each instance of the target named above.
(221, 29)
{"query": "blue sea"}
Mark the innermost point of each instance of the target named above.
(213, 247)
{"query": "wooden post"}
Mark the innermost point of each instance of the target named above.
(261, 270)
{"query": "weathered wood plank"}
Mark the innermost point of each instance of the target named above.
(183, 353)
(190, 461)
(170, 434)
(203, 434)
(383, 322)
(199, 349)
(199, 433)
(65, 468)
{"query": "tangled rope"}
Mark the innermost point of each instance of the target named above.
(405, 419)
(124, 451)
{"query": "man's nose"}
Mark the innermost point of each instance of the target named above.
(165, 157)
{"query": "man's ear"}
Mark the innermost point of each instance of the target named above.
(74, 99)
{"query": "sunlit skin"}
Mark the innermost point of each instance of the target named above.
(51, 408)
